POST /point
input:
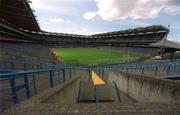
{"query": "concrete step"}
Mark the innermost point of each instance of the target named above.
(87, 92)
(97, 109)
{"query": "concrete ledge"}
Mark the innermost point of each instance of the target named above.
(87, 93)
(97, 109)
(44, 97)
(146, 89)
(156, 97)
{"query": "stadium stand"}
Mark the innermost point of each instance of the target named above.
(26, 52)
(31, 71)
(130, 49)
(155, 68)
(16, 57)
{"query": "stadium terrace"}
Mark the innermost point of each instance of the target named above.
(134, 71)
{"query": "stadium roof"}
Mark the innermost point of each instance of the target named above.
(16, 17)
(136, 31)
(167, 43)
(18, 13)
(148, 29)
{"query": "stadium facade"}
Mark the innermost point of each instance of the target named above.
(31, 70)
(18, 23)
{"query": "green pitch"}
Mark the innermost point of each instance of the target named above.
(91, 55)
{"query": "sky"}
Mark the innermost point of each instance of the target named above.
(96, 16)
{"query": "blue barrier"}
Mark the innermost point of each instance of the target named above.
(38, 65)
(8, 71)
(80, 83)
(70, 73)
(127, 66)
(155, 66)
(96, 90)
(13, 74)
(117, 91)
(175, 77)
(152, 66)
(15, 88)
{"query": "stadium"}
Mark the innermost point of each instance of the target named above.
(131, 72)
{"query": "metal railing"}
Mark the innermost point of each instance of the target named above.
(12, 74)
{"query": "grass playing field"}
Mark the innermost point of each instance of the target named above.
(91, 55)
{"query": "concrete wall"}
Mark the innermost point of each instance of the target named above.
(146, 89)
(65, 95)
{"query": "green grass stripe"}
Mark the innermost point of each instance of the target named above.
(91, 55)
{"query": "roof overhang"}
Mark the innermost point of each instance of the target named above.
(19, 13)
(167, 44)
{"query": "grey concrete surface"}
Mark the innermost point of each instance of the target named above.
(96, 109)
(140, 96)
(87, 92)
(146, 89)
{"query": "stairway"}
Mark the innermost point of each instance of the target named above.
(87, 92)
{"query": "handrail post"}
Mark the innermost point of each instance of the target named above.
(178, 69)
(13, 90)
(168, 69)
(96, 94)
(26, 83)
(117, 91)
(63, 73)
(70, 72)
(142, 71)
(38, 67)
(34, 81)
(102, 72)
(89, 71)
(51, 78)
(156, 70)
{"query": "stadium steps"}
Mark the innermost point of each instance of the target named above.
(87, 93)
(46, 104)
(97, 109)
